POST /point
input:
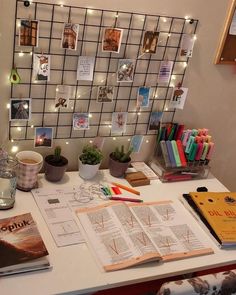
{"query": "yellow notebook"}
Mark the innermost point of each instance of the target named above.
(219, 209)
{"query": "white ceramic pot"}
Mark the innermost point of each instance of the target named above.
(88, 171)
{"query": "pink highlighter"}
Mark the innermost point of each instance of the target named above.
(199, 151)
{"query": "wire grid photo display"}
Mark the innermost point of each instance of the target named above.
(91, 24)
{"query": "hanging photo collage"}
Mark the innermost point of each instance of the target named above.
(114, 44)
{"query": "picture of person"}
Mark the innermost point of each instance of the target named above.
(155, 119)
(70, 36)
(43, 137)
(150, 42)
(125, 71)
(105, 94)
(20, 109)
(111, 40)
(41, 67)
(28, 33)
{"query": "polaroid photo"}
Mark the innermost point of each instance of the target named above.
(136, 143)
(63, 95)
(150, 42)
(28, 32)
(143, 97)
(125, 72)
(111, 40)
(69, 38)
(85, 68)
(165, 71)
(155, 119)
(43, 137)
(99, 142)
(178, 98)
(105, 94)
(20, 109)
(41, 67)
(81, 121)
(119, 121)
(187, 44)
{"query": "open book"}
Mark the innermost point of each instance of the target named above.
(122, 235)
(21, 246)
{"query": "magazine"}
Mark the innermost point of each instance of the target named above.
(21, 246)
(124, 235)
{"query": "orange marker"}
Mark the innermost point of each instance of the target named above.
(126, 188)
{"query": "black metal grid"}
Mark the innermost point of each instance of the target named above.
(51, 19)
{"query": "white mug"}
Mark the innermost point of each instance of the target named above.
(29, 165)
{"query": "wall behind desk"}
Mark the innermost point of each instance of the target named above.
(212, 89)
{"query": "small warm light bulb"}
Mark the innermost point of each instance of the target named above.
(79, 96)
(109, 126)
(57, 89)
(32, 126)
(8, 106)
(129, 139)
(138, 113)
(90, 115)
(185, 64)
(61, 5)
(14, 149)
(21, 53)
(90, 141)
(164, 20)
(12, 140)
(18, 25)
(156, 96)
(116, 15)
(166, 109)
(173, 77)
(90, 11)
(114, 138)
(31, 53)
(18, 128)
(26, 106)
(147, 141)
(186, 17)
(195, 37)
(67, 142)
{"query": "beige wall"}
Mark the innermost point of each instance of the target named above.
(212, 89)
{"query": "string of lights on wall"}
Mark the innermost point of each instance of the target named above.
(87, 96)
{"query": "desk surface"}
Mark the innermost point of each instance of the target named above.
(75, 270)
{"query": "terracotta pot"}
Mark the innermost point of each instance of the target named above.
(55, 171)
(88, 171)
(116, 168)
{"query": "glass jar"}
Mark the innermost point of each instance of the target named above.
(8, 177)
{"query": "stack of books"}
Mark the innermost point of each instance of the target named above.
(216, 212)
(21, 246)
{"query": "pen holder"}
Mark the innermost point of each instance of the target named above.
(192, 170)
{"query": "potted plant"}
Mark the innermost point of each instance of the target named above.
(89, 161)
(55, 165)
(119, 161)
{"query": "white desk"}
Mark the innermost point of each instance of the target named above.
(74, 268)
